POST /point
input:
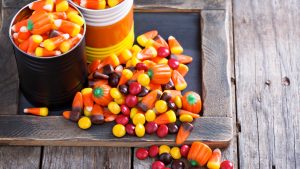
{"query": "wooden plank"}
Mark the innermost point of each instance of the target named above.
(55, 130)
(215, 64)
(267, 70)
(86, 157)
(152, 5)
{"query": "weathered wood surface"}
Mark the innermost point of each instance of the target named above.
(267, 48)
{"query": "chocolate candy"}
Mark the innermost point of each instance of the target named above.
(123, 89)
(113, 79)
(108, 69)
(166, 158)
(177, 164)
(144, 91)
(173, 128)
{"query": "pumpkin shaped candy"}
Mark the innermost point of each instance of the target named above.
(199, 154)
(191, 101)
(101, 95)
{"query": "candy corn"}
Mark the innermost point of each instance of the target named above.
(111, 59)
(42, 52)
(67, 27)
(24, 45)
(69, 43)
(58, 15)
(16, 27)
(87, 98)
(77, 105)
(93, 4)
(147, 53)
(184, 132)
(161, 41)
(23, 34)
(61, 5)
(125, 76)
(183, 69)
(215, 160)
(175, 47)
(94, 65)
(75, 116)
(34, 42)
(97, 115)
(112, 3)
(66, 114)
(149, 100)
(166, 118)
(185, 59)
(53, 43)
(75, 18)
(49, 4)
(179, 81)
(125, 56)
(41, 111)
(182, 112)
(143, 39)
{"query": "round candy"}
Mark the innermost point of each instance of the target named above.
(186, 118)
(153, 151)
(113, 79)
(122, 119)
(226, 165)
(163, 52)
(166, 158)
(120, 100)
(178, 102)
(138, 118)
(151, 127)
(130, 129)
(184, 150)
(143, 79)
(161, 106)
(144, 91)
(141, 66)
(150, 115)
(114, 108)
(141, 153)
(133, 112)
(173, 128)
(173, 63)
(119, 130)
(123, 89)
(162, 131)
(135, 88)
(115, 93)
(125, 110)
(131, 100)
(164, 149)
(84, 123)
(175, 153)
(157, 165)
(139, 130)
(177, 164)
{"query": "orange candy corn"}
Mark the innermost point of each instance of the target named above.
(178, 80)
(183, 69)
(174, 45)
(34, 42)
(67, 27)
(16, 27)
(58, 15)
(66, 114)
(185, 59)
(53, 43)
(184, 132)
(125, 76)
(23, 34)
(143, 39)
(24, 45)
(75, 18)
(69, 43)
(166, 118)
(147, 53)
(149, 100)
(41, 111)
(93, 4)
(88, 101)
(108, 116)
(111, 59)
(42, 52)
(77, 105)
(125, 56)
(181, 112)
(112, 3)
(161, 41)
(37, 5)
(61, 5)
(39, 22)
(137, 74)
(49, 4)
(97, 115)
(92, 67)
(215, 160)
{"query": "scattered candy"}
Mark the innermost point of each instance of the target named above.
(175, 153)
(42, 111)
(139, 130)
(177, 164)
(215, 160)
(151, 127)
(158, 165)
(164, 149)
(226, 165)
(119, 130)
(162, 131)
(166, 158)
(184, 150)
(141, 153)
(153, 151)
(184, 132)
(84, 123)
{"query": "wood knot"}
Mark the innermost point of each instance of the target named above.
(268, 82)
(285, 81)
(232, 80)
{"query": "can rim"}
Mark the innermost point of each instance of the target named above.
(97, 10)
(46, 57)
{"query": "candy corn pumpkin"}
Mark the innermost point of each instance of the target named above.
(160, 74)
(199, 153)
(101, 95)
(191, 101)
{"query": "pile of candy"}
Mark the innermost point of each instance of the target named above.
(53, 28)
(140, 90)
(198, 154)
(97, 4)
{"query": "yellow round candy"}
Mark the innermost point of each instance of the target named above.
(133, 112)
(178, 101)
(84, 123)
(143, 79)
(150, 115)
(115, 93)
(186, 118)
(114, 108)
(139, 130)
(164, 149)
(175, 153)
(138, 118)
(120, 100)
(119, 130)
(161, 106)
(127, 73)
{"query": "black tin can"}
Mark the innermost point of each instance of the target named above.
(50, 81)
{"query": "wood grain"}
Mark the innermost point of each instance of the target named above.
(267, 71)
(86, 157)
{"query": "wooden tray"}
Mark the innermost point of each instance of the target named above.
(203, 36)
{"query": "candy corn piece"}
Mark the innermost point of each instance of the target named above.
(179, 81)
(69, 43)
(67, 27)
(75, 18)
(24, 45)
(49, 4)
(66, 114)
(108, 116)
(143, 39)
(153, 43)
(94, 65)
(112, 3)
(111, 59)
(183, 69)
(42, 52)
(16, 27)
(39, 22)
(182, 58)
(77, 105)
(149, 100)
(87, 97)
(184, 131)
(125, 76)
(125, 56)
(53, 43)
(75, 116)
(175, 46)
(135, 49)
(61, 5)
(161, 41)
(147, 53)
(58, 15)
(181, 112)
(137, 74)
(43, 29)
(54, 33)
(41, 111)
(174, 93)
(215, 160)
(93, 4)
(23, 34)
(97, 115)
(37, 5)
(149, 63)
(166, 118)
(34, 42)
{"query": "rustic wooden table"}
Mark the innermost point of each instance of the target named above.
(264, 48)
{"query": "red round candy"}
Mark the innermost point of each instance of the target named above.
(151, 127)
(131, 100)
(184, 150)
(153, 151)
(125, 110)
(162, 131)
(226, 165)
(130, 129)
(141, 66)
(141, 153)
(173, 63)
(163, 52)
(158, 165)
(122, 119)
(135, 88)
